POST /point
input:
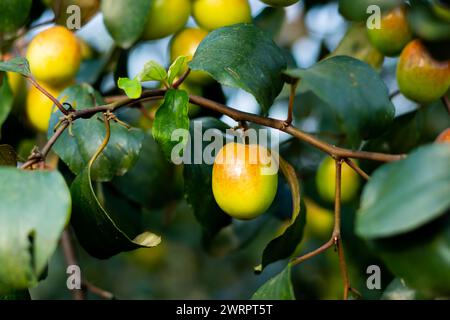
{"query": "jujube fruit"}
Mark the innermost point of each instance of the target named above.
(244, 180)
(213, 14)
(420, 77)
(394, 33)
(326, 181)
(54, 56)
(39, 107)
(185, 43)
(166, 17)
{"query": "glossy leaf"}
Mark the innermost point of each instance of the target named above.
(34, 209)
(6, 100)
(277, 288)
(125, 19)
(170, 119)
(420, 258)
(153, 71)
(119, 156)
(18, 64)
(354, 91)
(132, 87)
(356, 44)
(149, 178)
(271, 20)
(175, 68)
(8, 156)
(284, 245)
(198, 182)
(243, 56)
(101, 233)
(407, 194)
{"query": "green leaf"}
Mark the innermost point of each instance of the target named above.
(271, 20)
(18, 64)
(420, 258)
(153, 71)
(404, 195)
(149, 178)
(176, 67)
(277, 288)
(284, 246)
(198, 182)
(13, 14)
(34, 209)
(356, 44)
(243, 56)
(8, 156)
(105, 233)
(132, 87)
(6, 100)
(123, 148)
(171, 117)
(354, 91)
(125, 19)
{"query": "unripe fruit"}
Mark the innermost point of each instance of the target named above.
(244, 180)
(326, 181)
(185, 43)
(394, 33)
(16, 82)
(444, 137)
(356, 10)
(420, 77)
(320, 220)
(166, 17)
(39, 107)
(54, 56)
(213, 14)
(279, 3)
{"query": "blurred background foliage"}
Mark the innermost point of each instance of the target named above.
(181, 268)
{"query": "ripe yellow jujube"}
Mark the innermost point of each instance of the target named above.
(166, 17)
(54, 56)
(213, 14)
(244, 180)
(39, 107)
(185, 43)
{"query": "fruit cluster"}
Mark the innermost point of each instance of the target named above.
(421, 76)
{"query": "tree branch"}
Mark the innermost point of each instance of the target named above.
(71, 259)
(46, 93)
(357, 169)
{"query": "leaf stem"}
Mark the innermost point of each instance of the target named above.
(48, 95)
(357, 169)
(106, 119)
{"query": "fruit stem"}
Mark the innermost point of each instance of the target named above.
(48, 95)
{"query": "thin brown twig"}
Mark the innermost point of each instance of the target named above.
(102, 293)
(180, 80)
(71, 259)
(41, 155)
(357, 169)
(337, 228)
(48, 95)
(290, 116)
